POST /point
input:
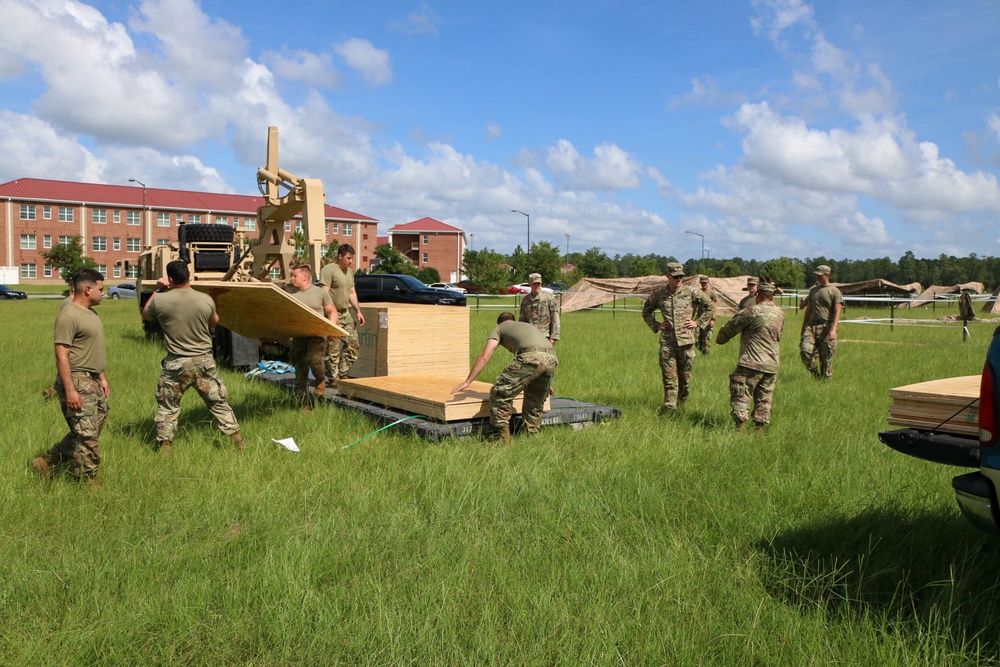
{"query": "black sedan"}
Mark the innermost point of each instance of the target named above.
(8, 293)
(399, 288)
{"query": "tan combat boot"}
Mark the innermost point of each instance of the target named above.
(166, 447)
(42, 466)
(504, 434)
(237, 440)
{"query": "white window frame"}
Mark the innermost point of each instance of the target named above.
(65, 239)
(99, 243)
(29, 242)
(133, 218)
(65, 214)
(47, 212)
(194, 219)
(348, 229)
(99, 216)
(47, 241)
(116, 243)
(28, 212)
(131, 245)
(29, 271)
(162, 219)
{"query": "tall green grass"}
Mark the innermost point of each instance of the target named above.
(646, 540)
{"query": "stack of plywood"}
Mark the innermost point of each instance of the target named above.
(408, 339)
(264, 310)
(950, 405)
(427, 395)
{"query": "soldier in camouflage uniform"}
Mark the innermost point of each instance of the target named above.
(186, 318)
(823, 307)
(80, 384)
(540, 309)
(760, 327)
(531, 371)
(338, 279)
(751, 290)
(678, 331)
(309, 352)
(704, 344)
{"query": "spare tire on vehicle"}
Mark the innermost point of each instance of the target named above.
(206, 233)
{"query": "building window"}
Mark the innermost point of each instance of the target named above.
(27, 212)
(162, 219)
(364, 236)
(222, 220)
(117, 270)
(99, 216)
(99, 243)
(348, 229)
(194, 219)
(65, 214)
(47, 212)
(116, 244)
(425, 258)
(251, 224)
(117, 215)
(47, 241)
(47, 270)
(298, 225)
(132, 218)
(132, 245)
(28, 242)
(65, 239)
(276, 273)
(29, 271)
(132, 271)
(162, 241)
(180, 218)
(236, 221)
(335, 228)
(427, 239)
(288, 226)
(102, 269)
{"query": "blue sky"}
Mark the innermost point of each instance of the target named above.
(773, 127)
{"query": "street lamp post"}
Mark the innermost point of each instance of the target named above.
(527, 259)
(702, 242)
(142, 221)
(472, 241)
(567, 248)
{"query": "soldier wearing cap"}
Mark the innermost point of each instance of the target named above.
(704, 343)
(751, 289)
(678, 331)
(759, 327)
(823, 306)
(540, 309)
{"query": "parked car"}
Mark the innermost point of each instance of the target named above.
(525, 288)
(8, 293)
(454, 288)
(469, 287)
(398, 288)
(558, 287)
(976, 492)
(121, 291)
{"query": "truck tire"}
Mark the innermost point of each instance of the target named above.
(208, 233)
(211, 261)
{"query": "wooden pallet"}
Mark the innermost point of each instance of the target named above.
(264, 310)
(408, 339)
(950, 405)
(428, 395)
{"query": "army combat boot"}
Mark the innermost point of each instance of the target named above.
(503, 432)
(237, 440)
(43, 466)
(166, 447)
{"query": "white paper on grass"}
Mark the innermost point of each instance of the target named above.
(287, 443)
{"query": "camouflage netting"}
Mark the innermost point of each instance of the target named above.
(932, 292)
(593, 292)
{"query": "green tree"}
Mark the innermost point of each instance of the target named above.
(596, 264)
(429, 275)
(69, 258)
(730, 269)
(642, 266)
(485, 269)
(392, 261)
(546, 260)
(785, 272)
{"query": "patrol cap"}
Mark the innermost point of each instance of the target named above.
(766, 287)
(703, 279)
(534, 278)
(675, 269)
(752, 280)
(822, 269)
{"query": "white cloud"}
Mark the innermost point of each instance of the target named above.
(301, 66)
(373, 64)
(493, 131)
(705, 93)
(611, 168)
(994, 124)
(422, 21)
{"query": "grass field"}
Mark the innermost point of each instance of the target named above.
(645, 541)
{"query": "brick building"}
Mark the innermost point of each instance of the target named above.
(117, 221)
(430, 243)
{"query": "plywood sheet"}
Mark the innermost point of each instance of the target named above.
(949, 405)
(264, 310)
(405, 339)
(428, 395)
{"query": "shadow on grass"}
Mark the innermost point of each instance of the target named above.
(919, 573)
(705, 419)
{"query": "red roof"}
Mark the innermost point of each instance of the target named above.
(131, 195)
(426, 225)
(381, 240)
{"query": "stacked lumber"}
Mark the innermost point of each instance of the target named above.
(428, 395)
(950, 405)
(409, 339)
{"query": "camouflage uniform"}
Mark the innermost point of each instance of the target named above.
(308, 354)
(542, 311)
(341, 352)
(531, 371)
(676, 340)
(760, 327)
(816, 348)
(81, 330)
(180, 374)
(704, 343)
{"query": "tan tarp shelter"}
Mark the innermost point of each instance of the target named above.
(593, 292)
(993, 305)
(932, 292)
(877, 287)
